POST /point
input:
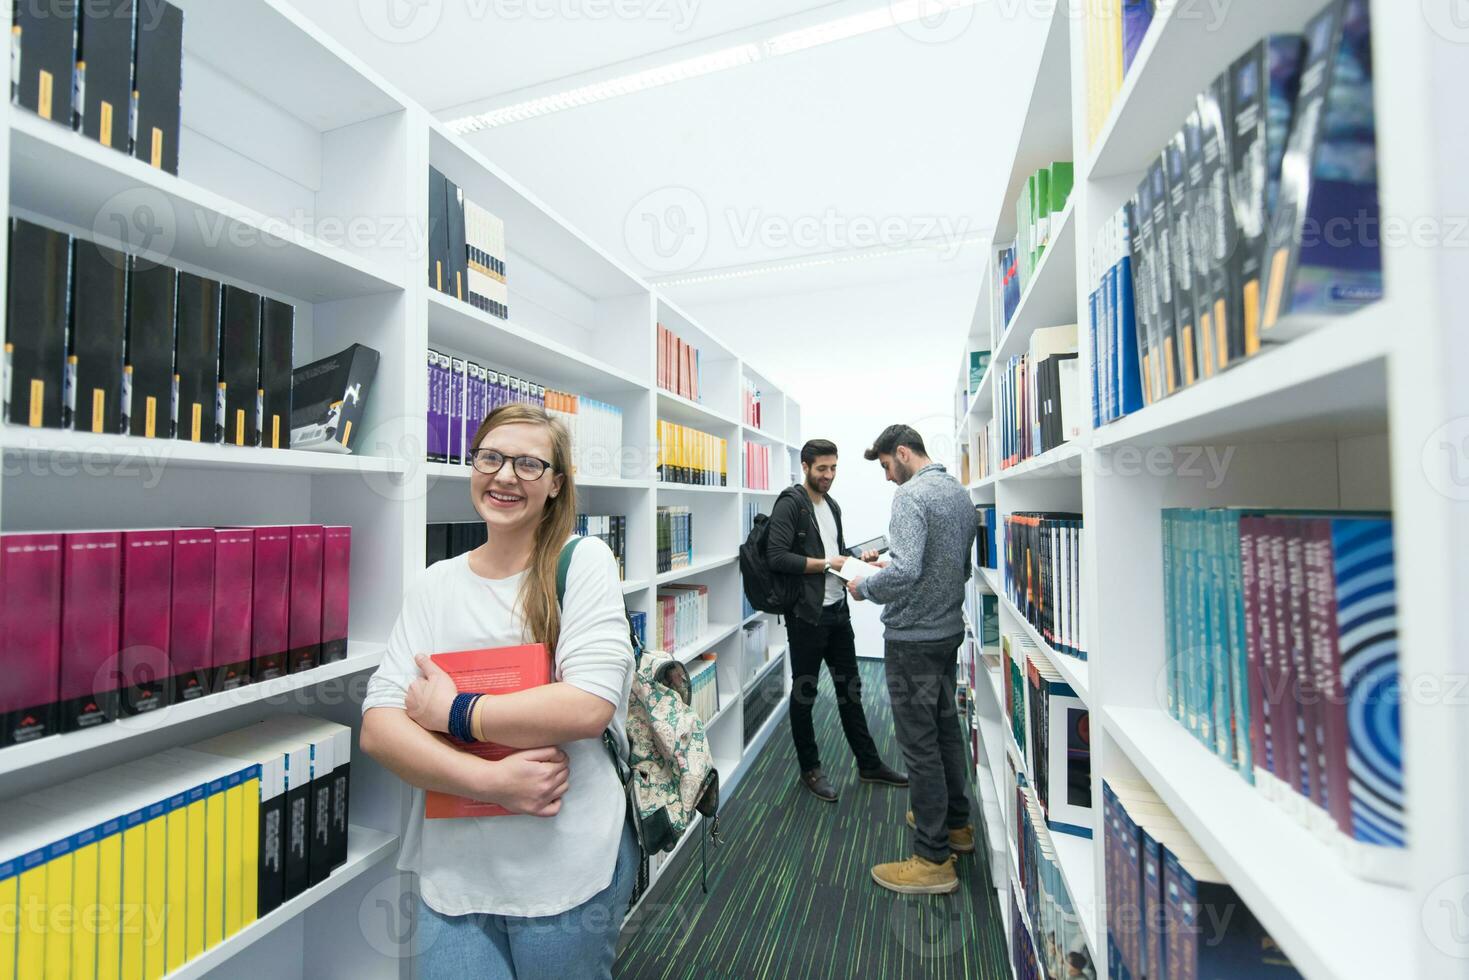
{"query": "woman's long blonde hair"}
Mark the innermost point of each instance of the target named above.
(537, 599)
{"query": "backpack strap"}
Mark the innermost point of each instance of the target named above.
(563, 567)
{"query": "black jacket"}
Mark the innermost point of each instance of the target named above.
(794, 537)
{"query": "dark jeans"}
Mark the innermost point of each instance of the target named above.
(830, 641)
(921, 686)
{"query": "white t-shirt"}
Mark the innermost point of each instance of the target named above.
(518, 865)
(826, 522)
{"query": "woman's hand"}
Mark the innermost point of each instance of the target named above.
(431, 696)
(531, 782)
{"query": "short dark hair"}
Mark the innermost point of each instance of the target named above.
(894, 436)
(815, 448)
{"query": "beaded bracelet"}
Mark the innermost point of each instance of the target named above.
(460, 713)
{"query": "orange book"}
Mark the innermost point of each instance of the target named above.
(502, 670)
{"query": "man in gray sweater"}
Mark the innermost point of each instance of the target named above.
(922, 586)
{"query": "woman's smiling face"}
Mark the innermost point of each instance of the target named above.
(505, 500)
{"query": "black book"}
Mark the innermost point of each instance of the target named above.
(436, 546)
(44, 58)
(1182, 264)
(105, 71)
(98, 331)
(1217, 214)
(438, 231)
(277, 337)
(158, 84)
(456, 270)
(1163, 277)
(1145, 301)
(197, 359)
(239, 365)
(329, 399)
(147, 379)
(35, 328)
(1199, 247)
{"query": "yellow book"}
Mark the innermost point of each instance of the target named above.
(30, 940)
(250, 850)
(134, 896)
(234, 877)
(84, 898)
(176, 893)
(214, 834)
(60, 912)
(9, 910)
(109, 902)
(155, 886)
(724, 462)
(194, 886)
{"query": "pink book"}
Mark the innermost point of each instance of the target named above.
(192, 621)
(270, 622)
(305, 594)
(91, 628)
(147, 584)
(30, 635)
(336, 577)
(234, 569)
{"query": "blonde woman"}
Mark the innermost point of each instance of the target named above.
(542, 892)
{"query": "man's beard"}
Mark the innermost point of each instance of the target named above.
(903, 473)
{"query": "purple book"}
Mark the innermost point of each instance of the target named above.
(438, 423)
(270, 632)
(192, 619)
(336, 577)
(234, 571)
(91, 596)
(305, 614)
(457, 381)
(30, 635)
(1137, 16)
(147, 587)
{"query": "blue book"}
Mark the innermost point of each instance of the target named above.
(1137, 16)
(1211, 931)
(1129, 373)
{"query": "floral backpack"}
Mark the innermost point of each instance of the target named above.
(669, 773)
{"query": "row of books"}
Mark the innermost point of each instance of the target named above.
(1049, 908)
(1043, 576)
(704, 687)
(1039, 396)
(611, 530)
(466, 248)
(638, 620)
(95, 623)
(981, 449)
(1169, 911)
(1023, 958)
(681, 616)
(1282, 643)
(451, 539)
(136, 870)
(691, 456)
(675, 535)
(680, 366)
(755, 647)
(752, 404)
(105, 68)
(1053, 735)
(987, 542)
(1225, 254)
(757, 466)
(1114, 34)
(1043, 197)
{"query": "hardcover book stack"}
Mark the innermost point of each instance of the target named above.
(106, 342)
(1039, 402)
(675, 538)
(689, 456)
(704, 685)
(1048, 906)
(757, 466)
(1281, 633)
(1043, 576)
(466, 257)
(1042, 199)
(1170, 913)
(1115, 30)
(680, 366)
(94, 624)
(681, 616)
(1224, 241)
(197, 843)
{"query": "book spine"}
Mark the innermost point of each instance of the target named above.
(305, 625)
(192, 615)
(147, 566)
(90, 629)
(335, 592)
(31, 567)
(234, 557)
(270, 634)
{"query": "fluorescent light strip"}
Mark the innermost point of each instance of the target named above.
(749, 272)
(894, 14)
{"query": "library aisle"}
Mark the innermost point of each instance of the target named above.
(790, 890)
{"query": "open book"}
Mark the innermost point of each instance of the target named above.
(502, 670)
(855, 568)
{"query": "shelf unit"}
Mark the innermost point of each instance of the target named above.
(1361, 413)
(304, 176)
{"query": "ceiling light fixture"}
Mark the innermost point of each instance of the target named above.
(892, 14)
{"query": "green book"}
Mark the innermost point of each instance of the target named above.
(1063, 179)
(1042, 212)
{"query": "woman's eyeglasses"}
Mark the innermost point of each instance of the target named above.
(528, 468)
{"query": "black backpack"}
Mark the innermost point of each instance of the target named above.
(767, 590)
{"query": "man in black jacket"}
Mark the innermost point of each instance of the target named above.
(806, 539)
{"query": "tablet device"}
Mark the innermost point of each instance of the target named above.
(879, 545)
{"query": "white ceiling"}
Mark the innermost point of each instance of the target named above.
(902, 134)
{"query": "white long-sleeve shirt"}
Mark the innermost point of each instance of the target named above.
(518, 865)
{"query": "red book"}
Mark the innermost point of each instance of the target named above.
(336, 577)
(234, 572)
(91, 593)
(305, 610)
(30, 635)
(147, 587)
(662, 357)
(502, 670)
(683, 365)
(191, 647)
(270, 617)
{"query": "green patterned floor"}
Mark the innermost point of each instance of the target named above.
(790, 892)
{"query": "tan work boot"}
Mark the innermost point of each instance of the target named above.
(961, 841)
(918, 876)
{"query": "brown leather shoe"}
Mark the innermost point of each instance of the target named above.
(884, 774)
(816, 782)
(961, 841)
(918, 876)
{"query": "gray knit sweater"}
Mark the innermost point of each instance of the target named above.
(930, 538)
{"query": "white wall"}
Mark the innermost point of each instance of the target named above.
(858, 360)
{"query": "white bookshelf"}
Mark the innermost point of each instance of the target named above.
(1362, 413)
(304, 176)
